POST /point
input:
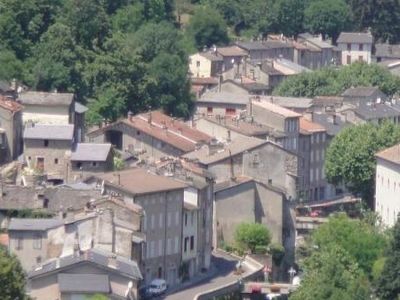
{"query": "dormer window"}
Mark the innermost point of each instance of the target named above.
(46, 143)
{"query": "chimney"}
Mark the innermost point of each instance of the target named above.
(130, 115)
(149, 119)
(228, 139)
(219, 82)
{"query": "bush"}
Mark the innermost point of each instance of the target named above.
(249, 236)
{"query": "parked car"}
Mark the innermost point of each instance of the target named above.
(157, 287)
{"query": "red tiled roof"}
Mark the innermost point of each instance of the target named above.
(9, 104)
(308, 126)
(165, 129)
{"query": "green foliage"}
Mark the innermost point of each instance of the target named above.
(363, 243)
(331, 81)
(328, 17)
(12, 277)
(97, 297)
(350, 156)
(249, 236)
(118, 163)
(206, 28)
(388, 286)
(332, 274)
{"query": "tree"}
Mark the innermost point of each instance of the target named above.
(328, 17)
(330, 81)
(249, 236)
(350, 156)
(289, 16)
(206, 28)
(388, 286)
(12, 277)
(10, 66)
(332, 274)
(53, 65)
(362, 242)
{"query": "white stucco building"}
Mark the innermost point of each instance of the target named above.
(355, 47)
(387, 199)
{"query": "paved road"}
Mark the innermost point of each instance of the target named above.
(225, 266)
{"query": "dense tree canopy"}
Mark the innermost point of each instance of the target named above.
(12, 277)
(350, 158)
(342, 254)
(207, 28)
(388, 286)
(331, 81)
(329, 17)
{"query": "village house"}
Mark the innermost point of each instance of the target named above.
(361, 96)
(208, 63)
(314, 52)
(10, 129)
(162, 201)
(386, 52)
(313, 143)
(91, 158)
(231, 56)
(261, 50)
(244, 199)
(387, 182)
(151, 135)
(53, 109)
(355, 47)
(47, 147)
(197, 216)
(262, 160)
(221, 103)
(85, 274)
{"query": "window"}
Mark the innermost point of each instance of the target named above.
(161, 220)
(198, 63)
(192, 243)
(269, 181)
(56, 161)
(152, 221)
(37, 242)
(79, 165)
(94, 164)
(185, 245)
(177, 218)
(186, 217)
(169, 218)
(230, 111)
(192, 218)
(29, 158)
(209, 110)
(348, 59)
(160, 248)
(46, 143)
(176, 245)
(38, 260)
(348, 47)
(160, 272)
(19, 243)
(137, 132)
(361, 47)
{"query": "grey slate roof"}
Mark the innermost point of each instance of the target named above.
(83, 283)
(263, 45)
(377, 111)
(291, 102)
(46, 99)
(49, 132)
(91, 152)
(80, 108)
(355, 38)
(34, 224)
(387, 50)
(360, 91)
(224, 97)
(124, 266)
(237, 146)
(331, 128)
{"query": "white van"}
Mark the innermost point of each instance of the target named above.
(157, 287)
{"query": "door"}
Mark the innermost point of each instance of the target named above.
(40, 164)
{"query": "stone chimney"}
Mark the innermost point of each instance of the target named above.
(130, 116)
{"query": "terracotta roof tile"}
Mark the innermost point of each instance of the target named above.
(391, 154)
(309, 126)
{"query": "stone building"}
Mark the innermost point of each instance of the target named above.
(10, 129)
(152, 135)
(47, 147)
(355, 47)
(162, 201)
